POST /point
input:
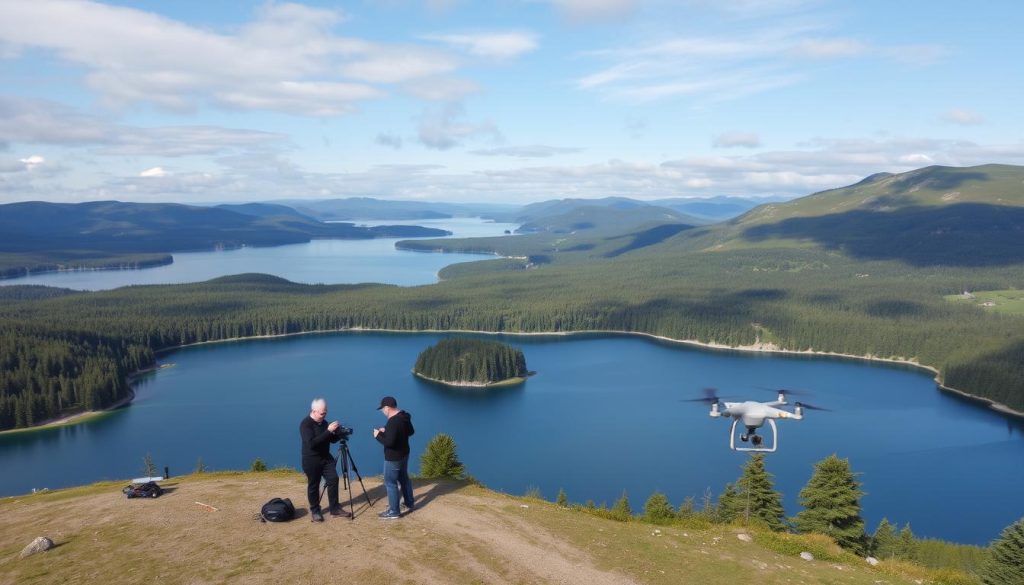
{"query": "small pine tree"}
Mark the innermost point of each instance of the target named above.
(1006, 561)
(148, 467)
(657, 509)
(883, 542)
(729, 506)
(621, 510)
(906, 545)
(441, 459)
(200, 466)
(562, 499)
(758, 497)
(686, 509)
(258, 465)
(831, 501)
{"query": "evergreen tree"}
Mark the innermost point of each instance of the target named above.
(1006, 563)
(729, 507)
(562, 499)
(258, 465)
(831, 501)
(657, 509)
(906, 545)
(757, 496)
(440, 459)
(884, 541)
(621, 509)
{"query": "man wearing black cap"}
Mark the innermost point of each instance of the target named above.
(395, 438)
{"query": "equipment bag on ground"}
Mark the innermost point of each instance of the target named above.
(278, 510)
(143, 490)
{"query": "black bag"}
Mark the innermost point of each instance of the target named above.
(143, 490)
(278, 510)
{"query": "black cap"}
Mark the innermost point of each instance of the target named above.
(388, 401)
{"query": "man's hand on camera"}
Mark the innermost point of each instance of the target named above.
(333, 426)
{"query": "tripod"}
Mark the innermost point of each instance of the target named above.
(345, 456)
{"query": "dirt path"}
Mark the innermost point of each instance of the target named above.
(458, 534)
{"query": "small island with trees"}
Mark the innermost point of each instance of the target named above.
(471, 362)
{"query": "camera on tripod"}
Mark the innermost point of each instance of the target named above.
(343, 432)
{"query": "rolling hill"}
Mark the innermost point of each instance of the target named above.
(38, 235)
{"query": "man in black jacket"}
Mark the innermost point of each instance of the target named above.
(395, 438)
(317, 461)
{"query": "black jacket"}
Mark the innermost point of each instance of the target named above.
(316, 439)
(395, 437)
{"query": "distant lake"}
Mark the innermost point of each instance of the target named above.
(316, 262)
(604, 414)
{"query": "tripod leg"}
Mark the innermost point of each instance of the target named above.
(360, 478)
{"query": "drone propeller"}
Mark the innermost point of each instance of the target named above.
(786, 391)
(710, 396)
(811, 407)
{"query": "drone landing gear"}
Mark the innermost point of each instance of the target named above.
(753, 438)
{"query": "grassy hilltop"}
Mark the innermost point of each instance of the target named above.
(459, 534)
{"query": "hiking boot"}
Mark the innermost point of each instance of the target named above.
(339, 511)
(389, 515)
(316, 516)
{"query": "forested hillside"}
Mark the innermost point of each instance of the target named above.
(709, 284)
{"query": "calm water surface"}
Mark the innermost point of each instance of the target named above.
(318, 261)
(603, 415)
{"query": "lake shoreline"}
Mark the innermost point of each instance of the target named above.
(481, 385)
(759, 348)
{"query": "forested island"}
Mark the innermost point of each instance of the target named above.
(471, 362)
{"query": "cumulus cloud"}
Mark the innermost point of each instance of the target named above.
(154, 172)
(490, 45)
(287, 58)
(734, 139)
(31, 162)
(962, 117)
(534, 151)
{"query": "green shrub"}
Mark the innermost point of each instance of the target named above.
(440, 460)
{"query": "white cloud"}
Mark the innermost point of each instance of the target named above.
(440, 89)
(490, 45)
(962, 117)
(287, 58)
(442, 129)
(534, 151)
(734, 139)
(595, 10)
(32, 162)
(154, 172)
(829, 48)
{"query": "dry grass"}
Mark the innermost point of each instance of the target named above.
(458, 534)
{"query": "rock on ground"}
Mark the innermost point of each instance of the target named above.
(40, 544)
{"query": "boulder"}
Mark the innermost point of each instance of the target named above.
(806, 556)
(40, 544)
(871, 561)
(744, 537)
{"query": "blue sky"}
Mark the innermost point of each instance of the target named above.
(504, 101)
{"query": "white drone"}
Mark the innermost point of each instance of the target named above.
(753, 416)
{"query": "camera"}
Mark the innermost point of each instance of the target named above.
(343, 431)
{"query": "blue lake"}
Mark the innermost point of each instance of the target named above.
(315, 262)
(604, 414)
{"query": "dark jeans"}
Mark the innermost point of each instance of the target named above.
(314, 470)
(396, 475)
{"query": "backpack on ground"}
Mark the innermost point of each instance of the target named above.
(143, 490)
(277, 510)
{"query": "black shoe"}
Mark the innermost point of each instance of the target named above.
(388, 515)
(339, 511)
(408, 508)
(317, 516)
